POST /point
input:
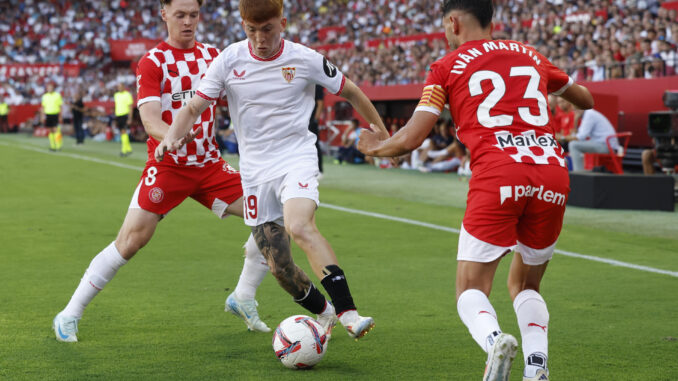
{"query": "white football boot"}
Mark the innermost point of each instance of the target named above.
(542, 375)
(357, 326)
(328, 319)
(500, 358)
(65, 328)
(246, 310)
(535, 368)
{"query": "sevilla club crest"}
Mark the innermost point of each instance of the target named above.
(288, 73)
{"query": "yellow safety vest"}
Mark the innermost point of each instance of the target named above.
(4, 109)
(123, 99)
(51, 103)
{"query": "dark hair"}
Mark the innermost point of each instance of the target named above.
(164, 3)
(482, 10)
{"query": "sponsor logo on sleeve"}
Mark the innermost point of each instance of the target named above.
(329, 68)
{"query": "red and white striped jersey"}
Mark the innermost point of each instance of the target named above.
(171, 76)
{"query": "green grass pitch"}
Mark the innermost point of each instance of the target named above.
(162, 316)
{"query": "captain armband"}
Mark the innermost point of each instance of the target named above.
(432, 99)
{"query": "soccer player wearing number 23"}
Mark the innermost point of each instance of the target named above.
(497, 93)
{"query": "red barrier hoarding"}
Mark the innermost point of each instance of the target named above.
(38, 70)
(330, 32)
(405, 40)
(626, 102)
(130, 50)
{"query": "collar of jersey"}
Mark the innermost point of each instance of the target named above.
(189, 50)
(271, 58)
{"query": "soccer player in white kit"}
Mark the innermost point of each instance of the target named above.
(167, 74)
(269, 83)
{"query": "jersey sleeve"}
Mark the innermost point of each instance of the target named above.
(434, 96)
(325, 74)
(214, 82)
(558, 80)
(149, 80)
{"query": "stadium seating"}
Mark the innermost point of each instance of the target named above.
(613, 159)
(371, 41)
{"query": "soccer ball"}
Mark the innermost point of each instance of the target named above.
(299, 342)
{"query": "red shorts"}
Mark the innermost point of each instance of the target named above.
(163, 187)
(515, 204)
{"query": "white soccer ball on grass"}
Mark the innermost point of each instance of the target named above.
(299, 342)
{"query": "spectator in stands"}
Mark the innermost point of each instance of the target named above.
(564, 31)
(446, 160)
(348, 152)
(635, 69)
(668, 54)
(591, 137)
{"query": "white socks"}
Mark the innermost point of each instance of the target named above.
(100, 271)
(479, 316)
(253, 271)
(533, 320)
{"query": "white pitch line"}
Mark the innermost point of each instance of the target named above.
(74, 156)
(612, 262)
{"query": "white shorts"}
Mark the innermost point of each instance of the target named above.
(264, 202)
(472, 249)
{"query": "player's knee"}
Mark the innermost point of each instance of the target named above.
(283, 269)
(130, 243)
(300, 231)
(514, 288)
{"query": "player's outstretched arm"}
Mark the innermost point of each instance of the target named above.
(364, 106)
(407, 139)
(151, 118)
(180, 131)
(579, 96)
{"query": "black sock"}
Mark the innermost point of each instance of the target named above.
(314, 301)
(336, 286)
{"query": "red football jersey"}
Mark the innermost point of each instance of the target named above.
(170, 76)
(497, 92)
(563, 122)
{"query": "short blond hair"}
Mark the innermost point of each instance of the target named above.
(259, 11)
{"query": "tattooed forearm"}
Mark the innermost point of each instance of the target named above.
(274, 244)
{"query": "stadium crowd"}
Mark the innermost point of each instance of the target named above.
(591, 40)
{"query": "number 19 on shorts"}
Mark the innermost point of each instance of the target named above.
(251, 207)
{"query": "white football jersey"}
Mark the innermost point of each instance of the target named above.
(271, 102)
